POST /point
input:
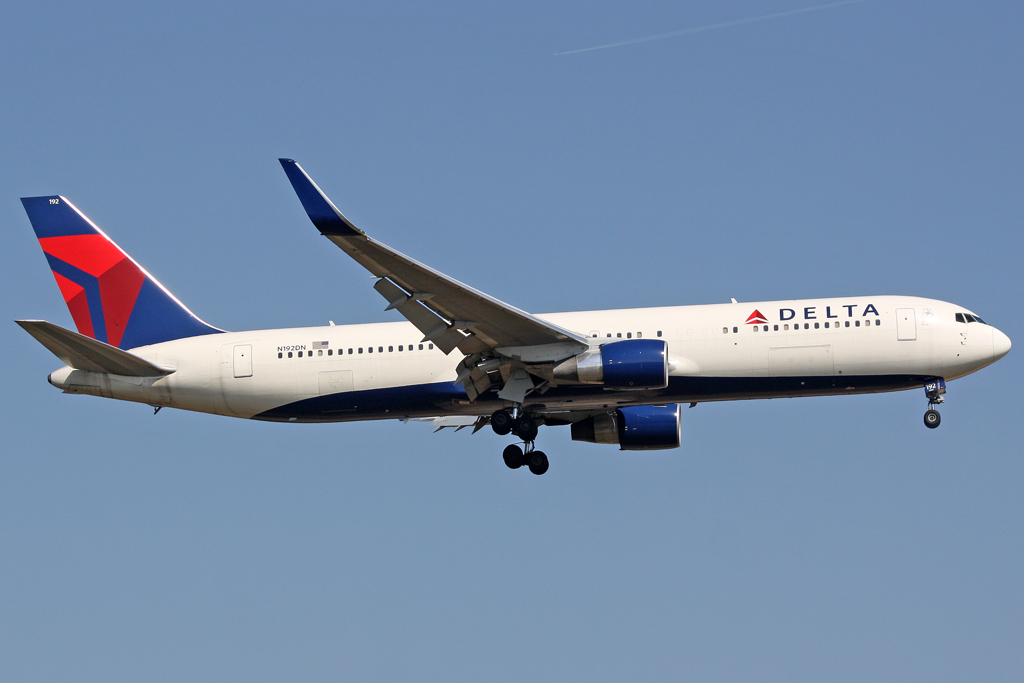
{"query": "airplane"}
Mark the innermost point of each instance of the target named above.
(612, 376)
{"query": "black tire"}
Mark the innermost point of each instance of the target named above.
(932, 419)
(501, 422)
(526, 429)
(513, 456)
(538, 462)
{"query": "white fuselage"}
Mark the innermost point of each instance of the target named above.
(374, 371)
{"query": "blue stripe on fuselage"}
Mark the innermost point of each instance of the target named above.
(412, 400)
(426, 400)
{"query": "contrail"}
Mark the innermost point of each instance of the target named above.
(712, 27)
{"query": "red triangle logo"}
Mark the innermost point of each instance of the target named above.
(756, 318)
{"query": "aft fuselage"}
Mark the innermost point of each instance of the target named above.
(718, 352)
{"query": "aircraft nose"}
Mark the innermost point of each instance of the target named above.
(1000, 344)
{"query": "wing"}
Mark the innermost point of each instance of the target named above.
(448, 313)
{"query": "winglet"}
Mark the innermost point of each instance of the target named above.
(323, 212)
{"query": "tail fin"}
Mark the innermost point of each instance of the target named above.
(111, 297)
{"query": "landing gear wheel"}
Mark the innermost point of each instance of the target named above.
(514, 457)
(932, 419)
(501, 422)
(538, 462)
(526, 428)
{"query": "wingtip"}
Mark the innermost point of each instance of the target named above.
(321, 211)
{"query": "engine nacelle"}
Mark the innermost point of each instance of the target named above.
(636, 428)
(630, 364)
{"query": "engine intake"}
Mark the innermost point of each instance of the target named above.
(631, 364)
(636, 428)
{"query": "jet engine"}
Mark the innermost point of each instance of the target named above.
(636, 428)
(630, 364)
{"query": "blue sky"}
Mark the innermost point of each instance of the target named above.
(870, 148)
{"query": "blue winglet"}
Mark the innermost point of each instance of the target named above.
(323, 213)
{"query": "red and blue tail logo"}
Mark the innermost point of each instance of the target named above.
(111, 298)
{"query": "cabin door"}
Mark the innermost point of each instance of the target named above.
(906, 324)
(243, 360)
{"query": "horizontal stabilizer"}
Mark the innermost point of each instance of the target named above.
(85, 353)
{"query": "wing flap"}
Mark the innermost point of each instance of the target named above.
(434, 328)
(85, 353)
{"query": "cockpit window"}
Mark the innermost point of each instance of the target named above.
(960, 318)
(978, 318)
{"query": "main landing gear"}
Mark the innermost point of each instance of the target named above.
(525, 427)
(934, 391)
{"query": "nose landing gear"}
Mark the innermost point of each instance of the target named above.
(525, 427)
(934, 391)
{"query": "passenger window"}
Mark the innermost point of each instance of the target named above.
(618, 335)
(756, 328)
(629, 335)
(391, 349)
(826, 326)
(765, 328)
(816, 326)
(856, 324)
(280, 355)
(725, 330)
(399, 348)
(300, 354)
(350, 352)
(786, 326)
(330, 352)
(430, 346)
(639, 335)
(775, 328)
(609, 335)
(659, 333)
(320, 352)
(847, 323)
(421, 347)
(734, 330)
(289, 354)
(361, 349)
